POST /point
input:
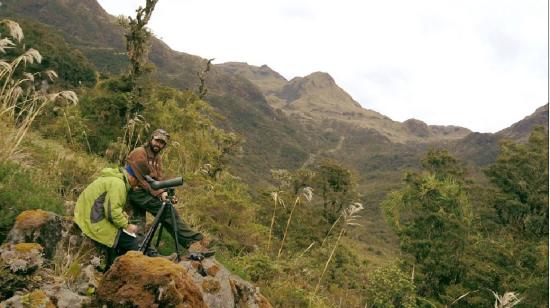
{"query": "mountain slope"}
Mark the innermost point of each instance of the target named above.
(317, 97)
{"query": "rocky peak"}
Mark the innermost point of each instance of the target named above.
(417, 127)
(263, 77)
(317, 85)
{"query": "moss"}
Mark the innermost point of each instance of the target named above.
(31, 219)
(28, 247)
(36, 299)
(137, 280)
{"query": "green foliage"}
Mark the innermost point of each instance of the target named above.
(431, 216)
(260, 267)
(336, 186)
(440, 163)
(225, 210)
(388, 286)
(72, 67)
(521, 175)
(19, 191)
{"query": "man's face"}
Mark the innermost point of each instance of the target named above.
(157, 145)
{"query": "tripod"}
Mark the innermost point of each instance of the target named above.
(167, 208)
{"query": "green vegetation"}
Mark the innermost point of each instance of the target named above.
(465, 249)
(312, 233)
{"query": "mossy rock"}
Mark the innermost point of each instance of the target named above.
(135, 280)
(38, 226)
(34, 299)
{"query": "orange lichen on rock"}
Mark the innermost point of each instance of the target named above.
(137, 280)
(37, 298)
(210, 285)
(212, 270)
(28, 247)
(31, 219)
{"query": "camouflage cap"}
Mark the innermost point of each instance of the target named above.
(160, 134)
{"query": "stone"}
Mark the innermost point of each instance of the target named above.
(141, 281)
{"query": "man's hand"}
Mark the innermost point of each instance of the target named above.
(174, 200)
(163, 196)
(132, 228)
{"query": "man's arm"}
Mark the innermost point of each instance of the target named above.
(137, 159)
(114, 205)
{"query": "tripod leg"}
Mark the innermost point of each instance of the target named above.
(159, 235)
(175, 230)
(149, 236)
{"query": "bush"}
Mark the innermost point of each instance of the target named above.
(389, 287)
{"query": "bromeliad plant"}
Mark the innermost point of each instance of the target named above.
(23, 95)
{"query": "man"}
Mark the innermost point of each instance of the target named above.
(99, 212)
(146, 160)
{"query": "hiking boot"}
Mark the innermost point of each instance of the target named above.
(152, 252)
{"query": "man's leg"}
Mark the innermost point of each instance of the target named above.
(126, 243)
(151, 204)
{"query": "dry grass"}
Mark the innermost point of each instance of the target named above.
(23, 95)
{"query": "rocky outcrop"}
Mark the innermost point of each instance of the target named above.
(47, 262)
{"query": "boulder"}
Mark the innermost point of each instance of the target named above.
(220, 288)
(139, 281)
(38, 226)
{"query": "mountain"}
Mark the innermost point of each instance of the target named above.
(285, 123)
(483, 148)
(522, 129)
(317, 98)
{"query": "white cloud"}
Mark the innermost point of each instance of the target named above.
(480, 64)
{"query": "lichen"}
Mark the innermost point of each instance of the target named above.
(22, 258)
(210, 285)
(36, 299)
(28, 247)
(31, 219)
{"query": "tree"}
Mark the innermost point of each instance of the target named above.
(431, 216)
(521, 176)
(337, 188)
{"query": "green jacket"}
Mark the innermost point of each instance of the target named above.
(99, 208)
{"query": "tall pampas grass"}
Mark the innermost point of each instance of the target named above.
(22, 98)
(350, 216)
(305, 194)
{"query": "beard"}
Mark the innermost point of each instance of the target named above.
(155, 149)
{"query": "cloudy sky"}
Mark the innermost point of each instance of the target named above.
(481, 64)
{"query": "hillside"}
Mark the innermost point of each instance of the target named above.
(270, 227)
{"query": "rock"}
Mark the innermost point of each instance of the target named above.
(64, 297)
(34, 299)
(133, 280)
(22, 258)
(11, 283)
(38, 226)
(141, 281)
(59, 236)
(222, 289)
